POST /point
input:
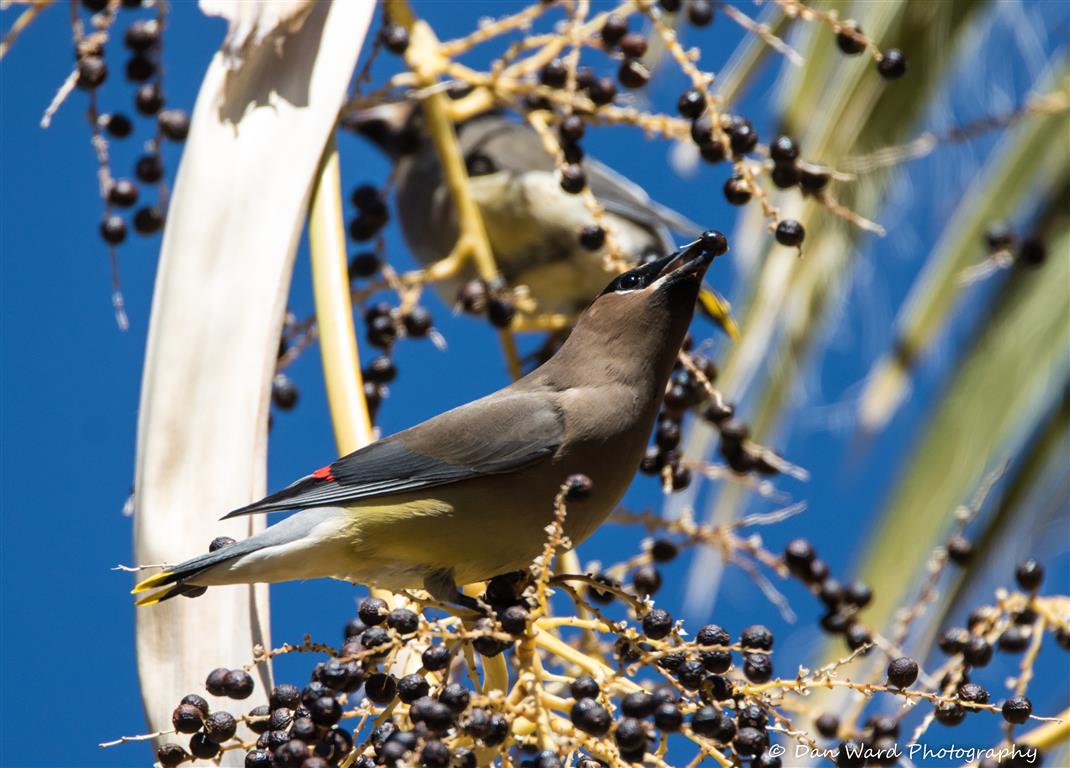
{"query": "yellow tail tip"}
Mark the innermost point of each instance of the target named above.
(151, 599)
(731, 328)
(719, 311)
(152, 581)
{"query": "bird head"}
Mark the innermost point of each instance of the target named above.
(396, 127)
(641, 318)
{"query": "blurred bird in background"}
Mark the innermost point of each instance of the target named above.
(542, 236)
(466, 495)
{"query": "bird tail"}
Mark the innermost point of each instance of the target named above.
(279, 553)
(717, 309)
(177, 576)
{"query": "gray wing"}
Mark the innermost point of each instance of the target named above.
(501, 433)
(516, 147)
(623, 197)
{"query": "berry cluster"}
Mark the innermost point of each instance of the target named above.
(561, 96)
(384, 323)
(625, 690)
(143, 40)
(842, 601)
(891, 64)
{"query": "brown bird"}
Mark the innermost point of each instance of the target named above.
(466, 495)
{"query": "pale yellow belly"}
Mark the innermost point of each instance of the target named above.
(474, 529)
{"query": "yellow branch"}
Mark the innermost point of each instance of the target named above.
(495, 673)
(1049, 735)
(424, 57)
(334, 312)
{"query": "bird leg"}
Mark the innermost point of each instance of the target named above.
(441, 586)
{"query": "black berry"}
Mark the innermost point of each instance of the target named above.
(200, 746)
(714, 242)
(633, 45)
(238, 684)
(284, 393)
(902, 672)
(148, 220)
(668, 718)
(149, 168)
(592, 237)
(614, 28)
(691, 103)
(139, 69)
(170, 755)
(978, 651)
(812, 181)
(959, 549)
(92, 71)
(174, 124)
(827, 724)
(325, 710)
(589, 716)
(149, 99)
(756, 636)
(632, 74)
(663, 551)
(435, 658)
(750, 742)
(1029, 574)
(220, 726)
(395, 38)
(554, 74)
(1017, 709)
(737, 191)
(216, 681)
(142, 35)
(187, 718)
(790, 232)
(784, 151)
(847, 39)
(573, 179)
(700, 12)
(381, 688)
(113, 229)
(117, 125)
(757, 667)
(949, 713)
(892, 64)
(411, 687)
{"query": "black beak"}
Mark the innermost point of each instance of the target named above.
(691, 261)
(386, 125)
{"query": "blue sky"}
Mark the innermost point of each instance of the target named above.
(69, 384)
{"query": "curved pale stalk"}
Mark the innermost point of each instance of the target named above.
(472, 244)
(334, 309)
(233, 226)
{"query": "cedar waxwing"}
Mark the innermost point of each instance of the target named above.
(532, 224)
(466, 495)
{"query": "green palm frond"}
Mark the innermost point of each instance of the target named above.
(838, 108)
(1015, 374)
(1031, 161)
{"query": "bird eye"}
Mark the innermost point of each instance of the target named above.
(630, 281)
(478, 164)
